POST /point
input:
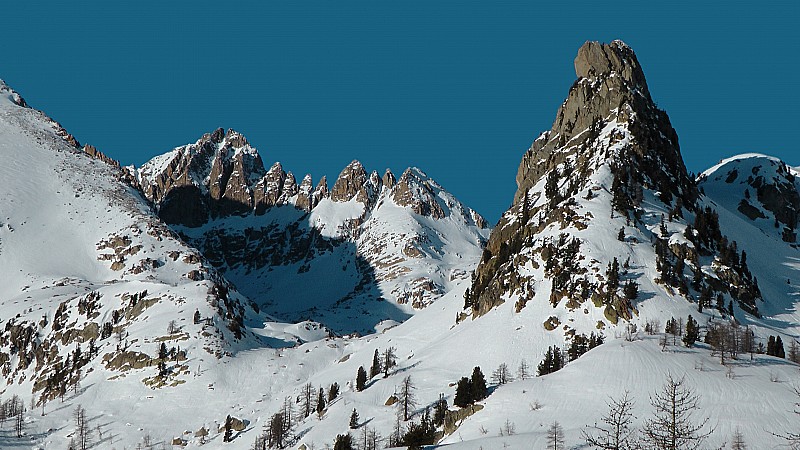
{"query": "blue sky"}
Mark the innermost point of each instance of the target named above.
(459, 89)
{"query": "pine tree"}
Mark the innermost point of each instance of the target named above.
(226, 437)
(333, 392)
(779, 351)
(361, 379)
(478, 384)
(307, 400)
(321, 402)
(463, 396)
(81, 428)
(692, 332)
(546, 366)
(771, 346)
(354, 419)
(376, 365)
(621, 235)
(439, 410)
(343, 442)
(631, 290)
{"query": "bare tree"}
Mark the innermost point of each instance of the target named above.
(615, 433)
(524, 370)
(501, 375)
(737, 442)
(172, 327)
(508, 429)
(672, 427)
(407, 398)
(370, 438)
(389, 360)
(555, 437)
(19, 420)
(307, 400)
(793, 439)
(81, 427)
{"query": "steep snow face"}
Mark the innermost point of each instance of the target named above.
(353, 263)
(761, 188)
(757, 200)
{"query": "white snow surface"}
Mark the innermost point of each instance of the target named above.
(52, 221)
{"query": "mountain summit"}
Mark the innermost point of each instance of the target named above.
(607, 185)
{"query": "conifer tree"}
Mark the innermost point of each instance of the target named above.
(439, 410)
(354, 419)
(408, 400)
(333, 391)
(376, 365)
(463, 396)
(779, 351)
(226, 437)
(343, 442)
(321, 402)
(361, 379)
(692, 332)
(478, 384)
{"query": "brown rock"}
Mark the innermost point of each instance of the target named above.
(350, 183)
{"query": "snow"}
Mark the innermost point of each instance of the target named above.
(53, 221)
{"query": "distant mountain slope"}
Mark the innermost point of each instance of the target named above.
(369, 249)
(91, 278)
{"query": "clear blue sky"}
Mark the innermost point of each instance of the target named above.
(459, 89)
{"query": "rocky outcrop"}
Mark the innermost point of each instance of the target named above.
(760, 187)
(351, 183)
(96, 154)
(610, 89)
(415, 190)
(388, 179)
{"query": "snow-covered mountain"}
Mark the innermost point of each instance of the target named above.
(396, 245)
(605, 201)
(206, 237)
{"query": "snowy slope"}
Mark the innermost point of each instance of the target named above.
(394, 245)
(768, 189)
(356, 259)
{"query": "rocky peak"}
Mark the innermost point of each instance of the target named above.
(388, 179)
(608, 135)
(217, 176)
(269, 188)
(12, 95)
(350, 183)
(304, 193)
(595, 60)
(415, 189)
(610, 118)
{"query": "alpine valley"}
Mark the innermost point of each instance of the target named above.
(206, 299)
